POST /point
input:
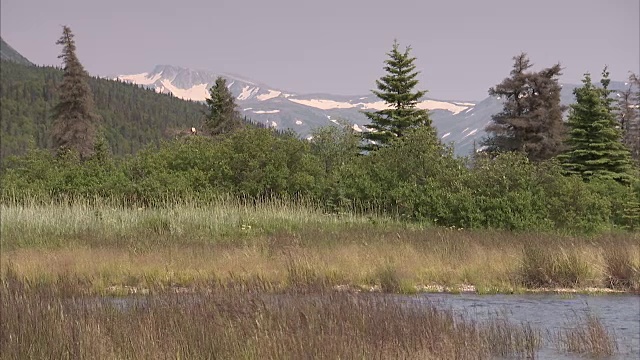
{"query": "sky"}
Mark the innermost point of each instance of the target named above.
(462, 48)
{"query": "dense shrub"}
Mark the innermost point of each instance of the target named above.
(415, 178)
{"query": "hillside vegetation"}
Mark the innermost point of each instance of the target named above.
(132, 117)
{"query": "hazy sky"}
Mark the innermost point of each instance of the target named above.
(334, 46)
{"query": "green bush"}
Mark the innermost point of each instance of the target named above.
(416, 178)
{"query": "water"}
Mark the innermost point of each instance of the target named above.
(550, 313)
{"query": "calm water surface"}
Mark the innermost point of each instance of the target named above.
(550, 313)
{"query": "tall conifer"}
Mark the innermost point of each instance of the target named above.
(531, 119)
(595, 141)
(223, 116)
(396, 89)
(74, 119)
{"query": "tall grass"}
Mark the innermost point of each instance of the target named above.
(114, 248)
(586, 335)
(553, 266)
(619, 268)
(241, 322)
(110, 223)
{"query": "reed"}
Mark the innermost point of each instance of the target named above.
(241, 321)
(619, 268)
(110, 248)
(586, 335)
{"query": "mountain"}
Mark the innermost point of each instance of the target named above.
(287, 110)
(8, 53)
(458, 122)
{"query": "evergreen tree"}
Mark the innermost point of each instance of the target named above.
(595, 146)
(629, 117)
(223, 117)
(74, 120)
(531, 119)
(396, 89)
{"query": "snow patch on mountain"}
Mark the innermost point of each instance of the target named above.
(471, 133)
(197, 92)
(325, 104)
(141, 79)
(247, 92)
(270, 95)
(266, 111)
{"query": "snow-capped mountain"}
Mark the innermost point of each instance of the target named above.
(457, 122)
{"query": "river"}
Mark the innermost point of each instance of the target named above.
(550, 313)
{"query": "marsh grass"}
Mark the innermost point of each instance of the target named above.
(553, 266)
(620, 271)
(507, 339)
(586, 335)
(241, 321)
(233, 221)
(113, 248)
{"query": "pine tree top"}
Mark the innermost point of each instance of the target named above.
(397, 89)
(596, 148)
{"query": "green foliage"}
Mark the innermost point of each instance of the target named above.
(264, 164)
(507, 193)
(396, 89)
(415, 178)
(596, 148)
(335, 147)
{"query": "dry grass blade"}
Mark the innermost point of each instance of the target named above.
(587, 335)
(244, 322)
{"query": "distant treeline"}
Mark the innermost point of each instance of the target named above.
(132, 117)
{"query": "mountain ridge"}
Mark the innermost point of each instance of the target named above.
(8, 53)
(283, 110)
(458, 122)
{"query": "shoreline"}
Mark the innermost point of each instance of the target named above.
(123, 290)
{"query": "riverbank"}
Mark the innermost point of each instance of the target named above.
(106, 249)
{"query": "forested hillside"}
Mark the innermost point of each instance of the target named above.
(132, 117)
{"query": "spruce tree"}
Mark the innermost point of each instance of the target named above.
(74, 119)
(531, 119)
(223, 117)
(595, 141)
(396, 89)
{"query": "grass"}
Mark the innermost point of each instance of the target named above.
(114, 249)
(241, 321)
(586, 335)
(257, 280)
